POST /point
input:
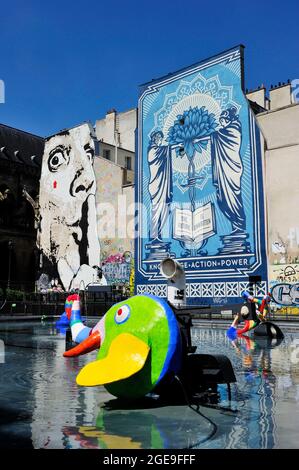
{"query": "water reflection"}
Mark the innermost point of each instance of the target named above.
(42, 407)
(255, 354)
(148, 424)
(259, 390)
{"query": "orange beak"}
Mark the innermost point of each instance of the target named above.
(89, 344)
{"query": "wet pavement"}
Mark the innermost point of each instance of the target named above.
(42, 407)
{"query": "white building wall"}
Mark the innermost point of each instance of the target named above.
(105, 128)
(280, 127)
(127, 126)
(280, 96)
(118, 128)
(258, 96)
(115, 208)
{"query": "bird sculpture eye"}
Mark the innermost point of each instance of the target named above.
(122, 314)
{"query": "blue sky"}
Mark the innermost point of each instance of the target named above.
(65, 62)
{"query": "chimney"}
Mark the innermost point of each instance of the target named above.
(280, 96)
(258, 96)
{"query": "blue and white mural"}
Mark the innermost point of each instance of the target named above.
(199, 182)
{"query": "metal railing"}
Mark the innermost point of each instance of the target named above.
(97, 303)
(52, 303)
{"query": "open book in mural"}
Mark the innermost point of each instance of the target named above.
(194, 227)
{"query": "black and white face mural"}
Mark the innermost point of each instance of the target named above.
(68, 229)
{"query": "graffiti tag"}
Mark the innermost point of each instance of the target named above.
(117, 272)
(295, 90)
(117, 267)
(286, 294)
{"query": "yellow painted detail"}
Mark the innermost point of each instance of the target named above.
(118, 442)
(288, 311)
(111, 441)
(126, 356)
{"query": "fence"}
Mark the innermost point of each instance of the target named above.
(97, 303)
(52, 303)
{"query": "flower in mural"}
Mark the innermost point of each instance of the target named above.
(190, 130)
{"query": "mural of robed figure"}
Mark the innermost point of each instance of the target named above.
(160, 184)
(227, 168)
(68, 235)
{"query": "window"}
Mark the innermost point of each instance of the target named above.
(107, 154)
(128, 163)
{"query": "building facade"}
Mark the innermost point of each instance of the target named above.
(278, 120)
(115, 221)
(116, 136)
(101, 230)
(20, 166)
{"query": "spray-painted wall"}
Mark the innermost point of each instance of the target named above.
(67, 235)
(79, 199)
(199, 182)
(115, 212)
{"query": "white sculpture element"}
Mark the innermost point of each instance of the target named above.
(176, 281)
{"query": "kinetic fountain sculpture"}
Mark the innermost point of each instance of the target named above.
(145, 346)
(254, 313)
